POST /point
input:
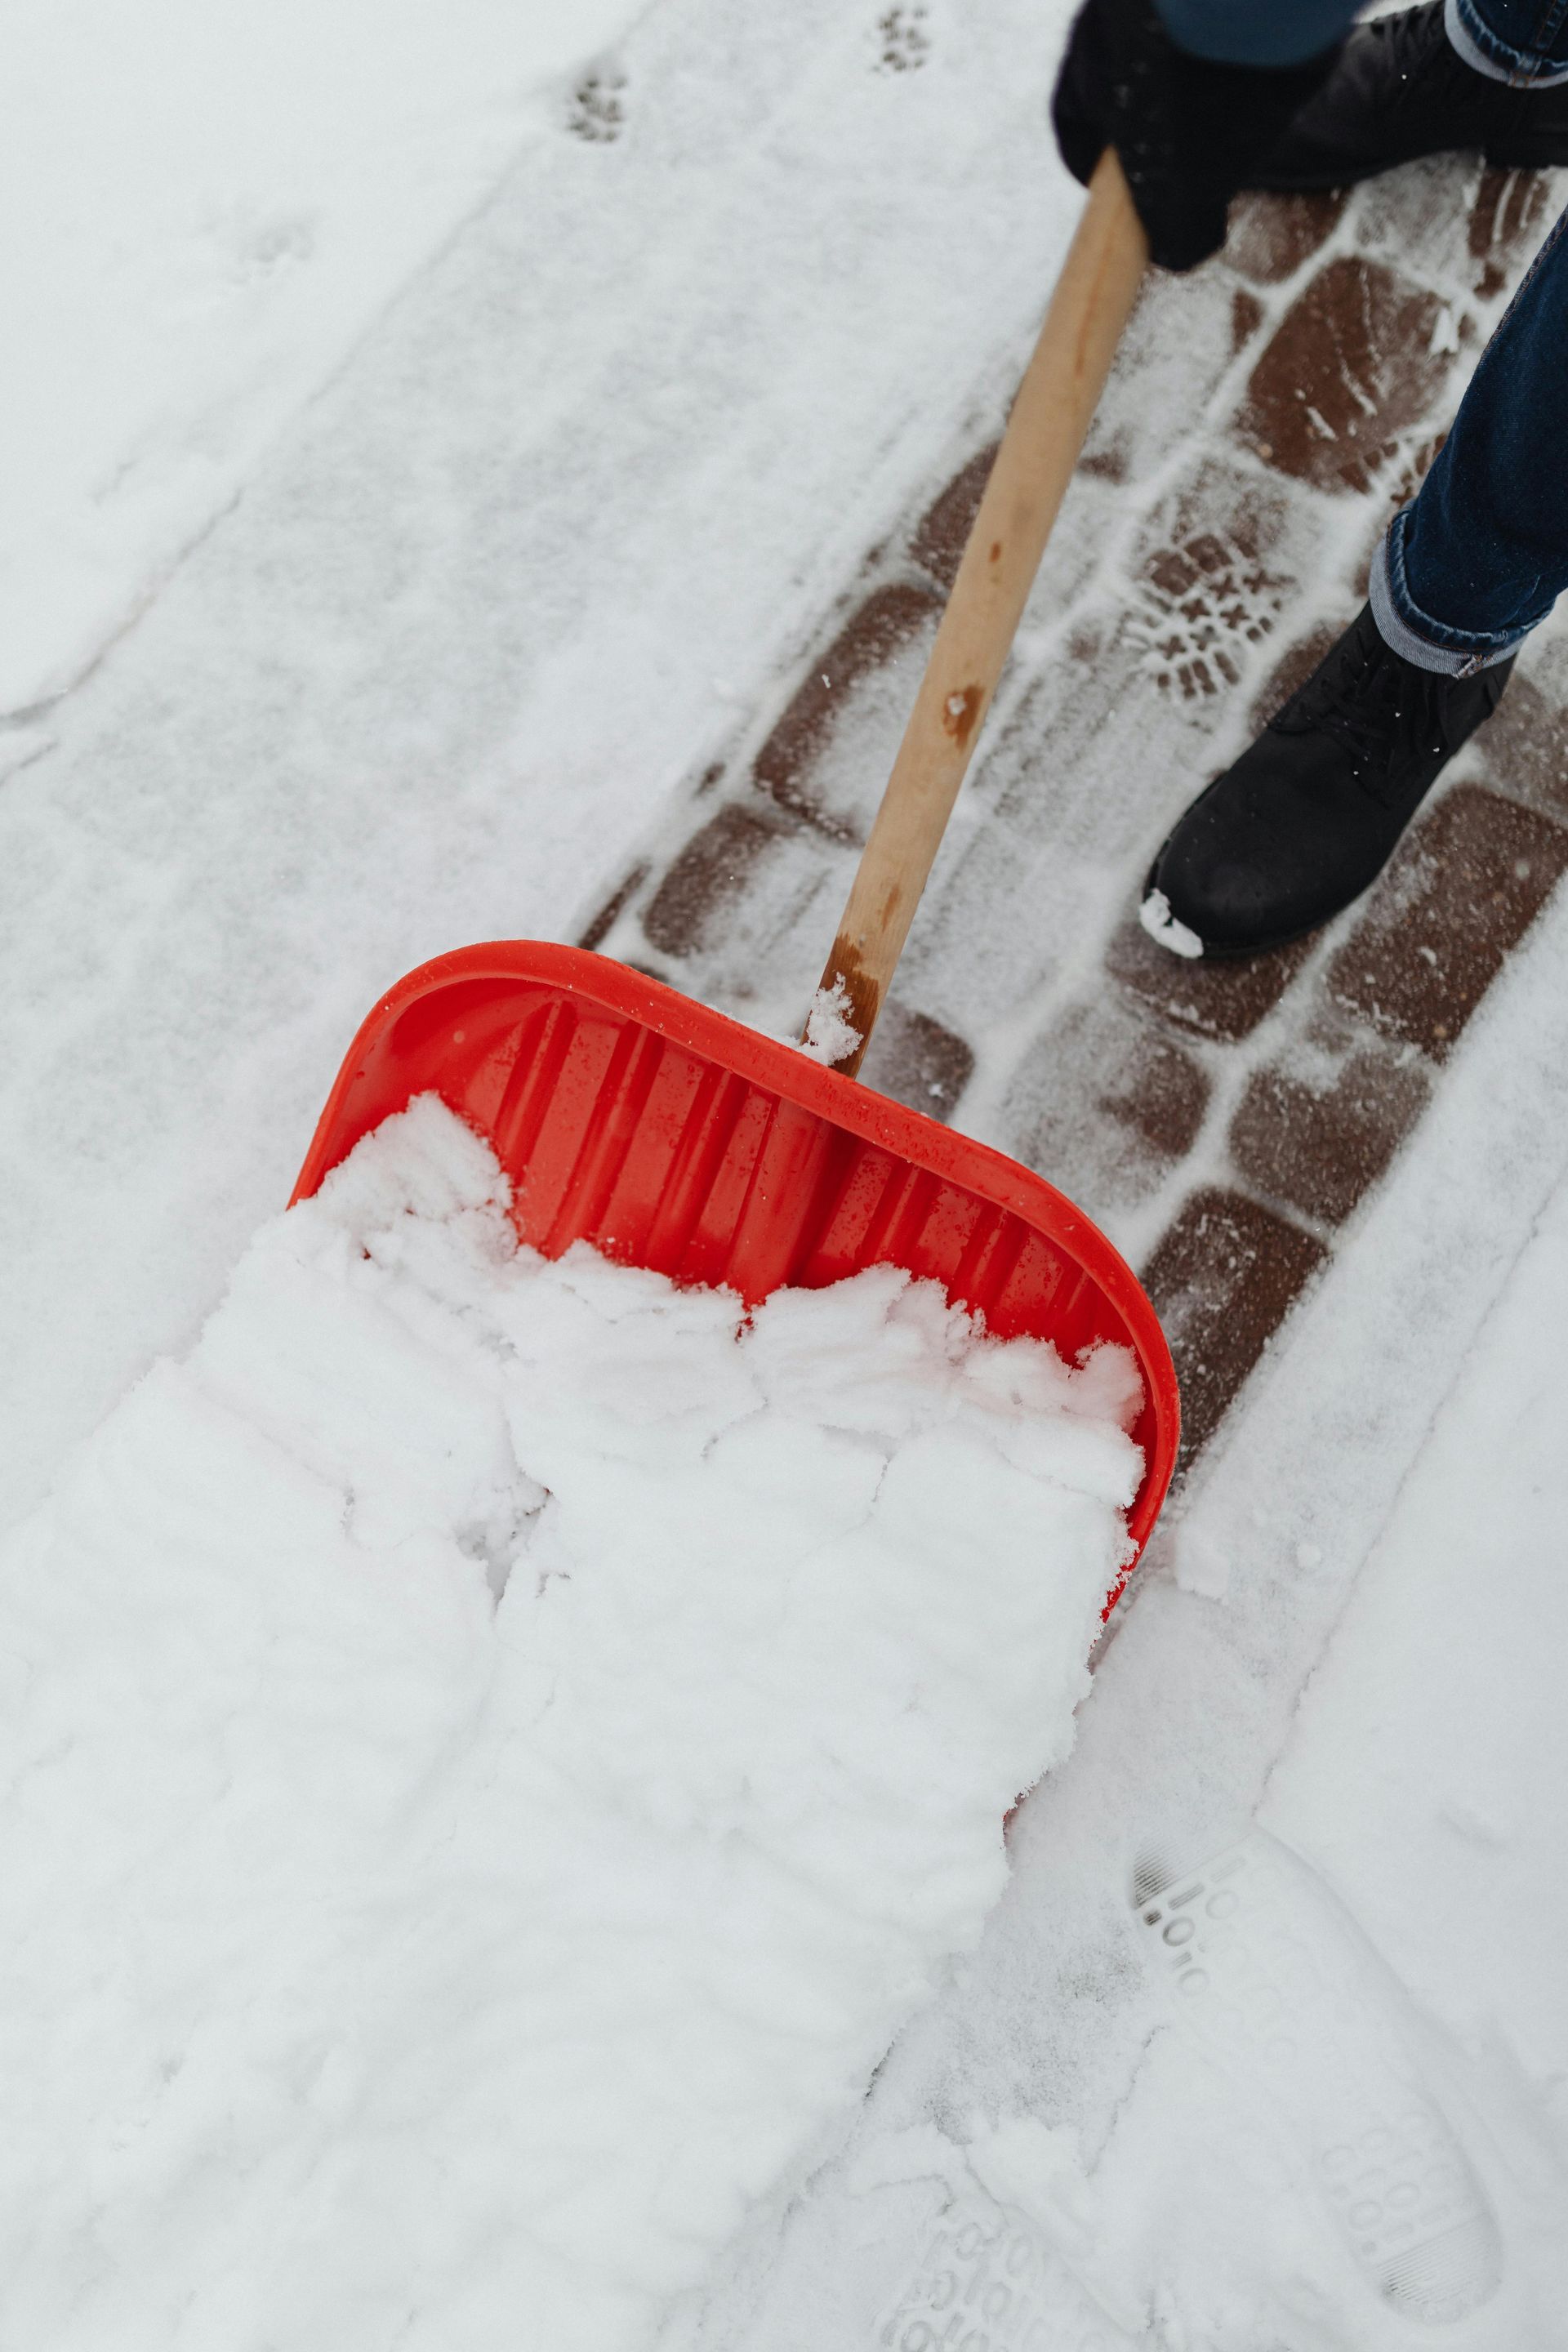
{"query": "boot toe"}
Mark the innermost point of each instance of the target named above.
(1217, 881)
(1308, 815)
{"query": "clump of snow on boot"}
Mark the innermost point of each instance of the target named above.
(1165, 928)
(492, 1752)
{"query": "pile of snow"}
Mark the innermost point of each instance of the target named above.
(492, 1751)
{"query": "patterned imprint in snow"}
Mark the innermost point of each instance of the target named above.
(905, 42)
(1273, 1983)
(1200, 606)
(596, 112)
(985, 2284)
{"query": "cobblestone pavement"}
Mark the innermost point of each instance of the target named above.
(1223, 1122)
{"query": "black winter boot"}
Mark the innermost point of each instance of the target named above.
(1401, 89)
(1307, 817)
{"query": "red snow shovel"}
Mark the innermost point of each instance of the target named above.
(670, 1136)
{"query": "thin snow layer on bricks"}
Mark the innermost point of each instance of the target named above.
(1270, 242)
(1223, 998)
(938, 541)
(1266, 416)
(743, 861)
(1315, 1138)
(1222, 1280)
(503, 1746)
(1220, 564)
(1462, 888)
(1190, 332)
(1105, 1103)
(826, 756)
(917, 1061)
(1524, 749)
(1353, 365)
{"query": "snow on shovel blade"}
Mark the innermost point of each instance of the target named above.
(672, 1138)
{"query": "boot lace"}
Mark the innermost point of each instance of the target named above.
(1380, 708)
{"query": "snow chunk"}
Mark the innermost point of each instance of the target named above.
(492, 1750)
(831, 1036)
(1161, 926)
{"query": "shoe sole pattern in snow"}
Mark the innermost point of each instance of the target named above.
(1270, 1977)
(987, 2283)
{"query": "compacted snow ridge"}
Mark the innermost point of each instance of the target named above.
(492, 1750)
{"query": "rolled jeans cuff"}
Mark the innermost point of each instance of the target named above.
(1479, 47)
(1412, 633)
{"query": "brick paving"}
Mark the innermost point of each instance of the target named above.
(1223, 1122)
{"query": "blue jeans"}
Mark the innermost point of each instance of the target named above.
(1468, 569)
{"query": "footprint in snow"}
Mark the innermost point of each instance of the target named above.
(597, 111)
(904, 38)
(1272, 1979)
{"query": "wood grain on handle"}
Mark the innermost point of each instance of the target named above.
(1044, 435)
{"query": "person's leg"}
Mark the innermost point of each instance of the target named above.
(1484, 75)
(1307, 818)
(1467, 571)
(1521, 42)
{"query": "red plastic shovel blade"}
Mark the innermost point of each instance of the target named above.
(672, 1138)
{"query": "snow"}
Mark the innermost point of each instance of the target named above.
(429, 463)
(486, 603)
(202, 206)
(1428, 1777)
(830, 1034)
(1162, 927)
(492, 1750)
(1340, 1669)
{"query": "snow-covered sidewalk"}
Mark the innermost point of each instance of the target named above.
(523, 615)
(494, 595)
(1352, 1640)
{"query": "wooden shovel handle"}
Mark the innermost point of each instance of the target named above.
(1044, 435)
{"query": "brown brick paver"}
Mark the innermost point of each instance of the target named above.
(889, 635)
(1353, 366)
(917, 1061)
(1223, 1280)
(710, 880)
(939, 541)
(1269, 242)
(1463, 888)
(1105, 1102)
(1316, 1144)
(1223, 999)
